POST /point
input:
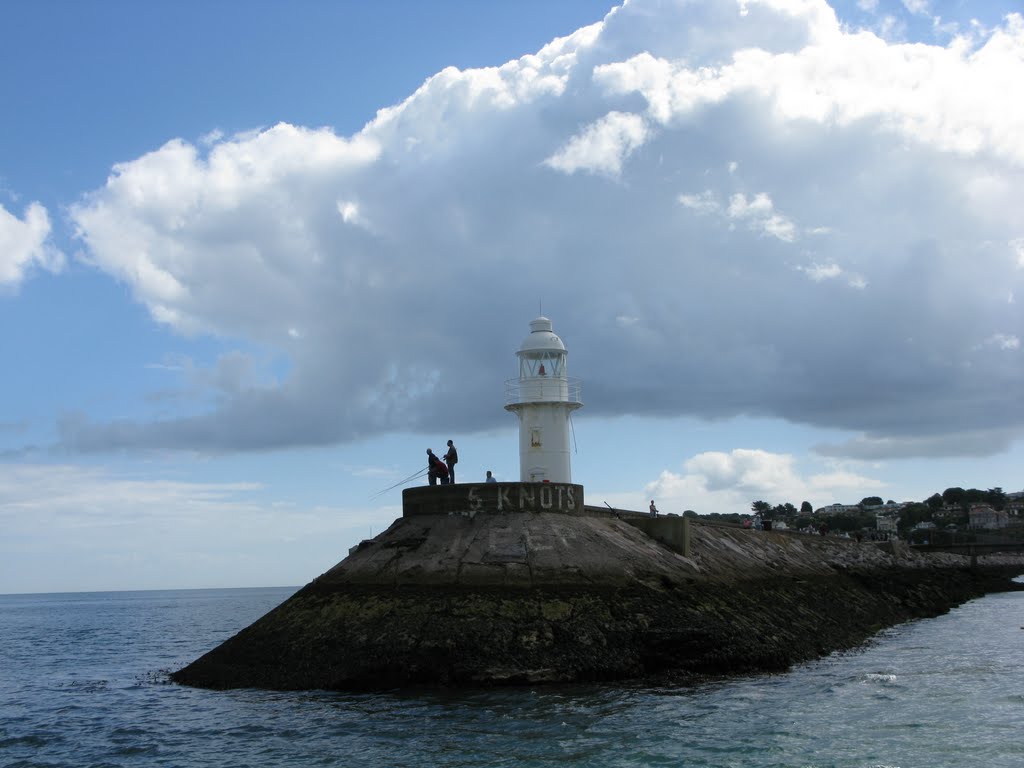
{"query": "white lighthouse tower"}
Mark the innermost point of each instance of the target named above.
(543, 397)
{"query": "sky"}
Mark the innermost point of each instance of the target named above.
(254, 258)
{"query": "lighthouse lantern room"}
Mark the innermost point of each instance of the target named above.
(543, 397)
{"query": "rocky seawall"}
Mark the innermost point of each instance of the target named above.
(497, 598)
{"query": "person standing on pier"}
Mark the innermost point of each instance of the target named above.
(451, 459)
(653, 509)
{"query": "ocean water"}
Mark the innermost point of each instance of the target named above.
(83, 683)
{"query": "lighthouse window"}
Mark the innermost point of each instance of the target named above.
(535, 438)
(545, 365)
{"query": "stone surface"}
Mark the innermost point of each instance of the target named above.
(470, 499)
(496, 598)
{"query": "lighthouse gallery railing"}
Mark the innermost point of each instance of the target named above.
(556, 389)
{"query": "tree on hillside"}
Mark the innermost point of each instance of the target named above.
(871, 501)
(764, 509)
(806, 508)
(783, 511)
(975, 496)
(997, 498)
(954, 496)
(912, 514)
(934, 501)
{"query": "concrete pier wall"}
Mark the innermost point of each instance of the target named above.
(520, 583)
(469, 499)
(673, 532)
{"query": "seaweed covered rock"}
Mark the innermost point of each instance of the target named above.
(502, 598)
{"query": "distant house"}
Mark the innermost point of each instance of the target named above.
(950, 512)
(983, 516)
(839, 509)
(886, 522)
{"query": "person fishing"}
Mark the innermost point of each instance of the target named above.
(436, 469)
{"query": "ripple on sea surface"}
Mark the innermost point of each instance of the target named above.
(891, 704)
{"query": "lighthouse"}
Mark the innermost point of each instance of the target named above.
(543, 397)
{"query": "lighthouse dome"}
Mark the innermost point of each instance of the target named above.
(541, 338)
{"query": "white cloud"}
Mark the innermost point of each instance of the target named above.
(102, 499)
(113, 529)
(603, 146)
(761, 216)
(748, 470)
(869, 447)
(704, 202)
(832, 271)
(953, 98)
(393, 272)
(212, 137)
(819, 272)
(758, 212)
(1005, 341)
(350, 213)
(919, 7)
(220, 229)
(25, 243)
(729, 482)
(1017, 245)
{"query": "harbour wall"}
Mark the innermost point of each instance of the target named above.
(459, 592)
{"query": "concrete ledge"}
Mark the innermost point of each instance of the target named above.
(471, 499)
(673, 532)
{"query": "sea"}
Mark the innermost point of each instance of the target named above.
(83, 682)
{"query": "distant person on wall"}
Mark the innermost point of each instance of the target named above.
(654, 509)
(451, 459)
(490, 477)
(436, 469)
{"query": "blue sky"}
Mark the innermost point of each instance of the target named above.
(255, 258)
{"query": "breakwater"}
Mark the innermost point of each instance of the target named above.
(472, 595)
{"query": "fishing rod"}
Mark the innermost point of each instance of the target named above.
(409, 479)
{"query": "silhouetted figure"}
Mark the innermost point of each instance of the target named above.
(436, 469)
(451, 459)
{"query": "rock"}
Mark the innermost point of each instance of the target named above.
(500, 598)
